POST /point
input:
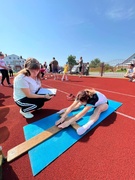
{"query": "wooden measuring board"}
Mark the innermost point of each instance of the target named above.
(29, 144)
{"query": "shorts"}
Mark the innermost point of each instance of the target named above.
(55, 70)
(80, 69)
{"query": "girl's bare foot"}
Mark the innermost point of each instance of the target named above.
(64, 124)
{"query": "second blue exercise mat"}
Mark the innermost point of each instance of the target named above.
(46, 152)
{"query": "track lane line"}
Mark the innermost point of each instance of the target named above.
(130, 117)
(122, 114)
(114, 92)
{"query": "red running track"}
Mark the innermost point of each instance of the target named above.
(106, 153)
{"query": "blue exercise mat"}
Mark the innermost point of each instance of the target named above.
(46, 152)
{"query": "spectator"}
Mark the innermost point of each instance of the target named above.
(4, 71)
(80, 66)
(42, 71)
(10, 70)
(45, 65)
(130, 74)
(55, 67)
(87, 69)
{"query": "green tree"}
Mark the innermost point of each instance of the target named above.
(108, 67)
(95, 63)
(72, 60)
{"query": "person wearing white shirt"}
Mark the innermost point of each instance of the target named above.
(133, 75)
(26, 85)
(4, 71)
(130, 74)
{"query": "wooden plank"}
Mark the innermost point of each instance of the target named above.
(75, 125)
(29, 144)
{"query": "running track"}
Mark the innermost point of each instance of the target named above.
(105, 153)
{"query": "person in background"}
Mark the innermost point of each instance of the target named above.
(133, 74)
(4, 71)
(89, 98)
(26, 85)
(42, 71)
(65, 76)
(55, 67)
(87, 69)
(130, 74)
(10, 70)
(80, 66)
(45, 65)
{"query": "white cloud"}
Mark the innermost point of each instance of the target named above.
(121, 13)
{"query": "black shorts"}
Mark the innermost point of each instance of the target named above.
(80, 69)
(55, 70)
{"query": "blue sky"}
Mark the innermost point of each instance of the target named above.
(43, 29)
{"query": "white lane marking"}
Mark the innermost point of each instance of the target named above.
(130, 117)
(114, 92)
(58, 89)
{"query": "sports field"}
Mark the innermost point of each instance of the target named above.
(107, 152)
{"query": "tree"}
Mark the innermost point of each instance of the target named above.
(95, 63)
(108, 67)
(72, 60)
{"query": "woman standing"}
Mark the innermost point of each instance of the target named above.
(4, 71)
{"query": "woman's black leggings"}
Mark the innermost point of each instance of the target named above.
(30, 104)
(5, 75)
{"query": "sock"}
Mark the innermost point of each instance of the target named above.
(62, 111)
(85, 127)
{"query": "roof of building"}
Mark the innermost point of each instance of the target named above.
(130, 60)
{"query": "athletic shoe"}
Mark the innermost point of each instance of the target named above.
(27, 114)
(39, 108)
(133, 80)
(10, 85)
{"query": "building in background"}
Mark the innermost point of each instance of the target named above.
(130, 60)
(16, 62)
(124, 64)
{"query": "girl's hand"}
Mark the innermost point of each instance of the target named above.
(61, 120)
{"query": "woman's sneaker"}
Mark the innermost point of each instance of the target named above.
(27, 114)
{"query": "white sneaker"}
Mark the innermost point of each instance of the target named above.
(27, 114)
(133, 80)
(39, 108)
(10, 85)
